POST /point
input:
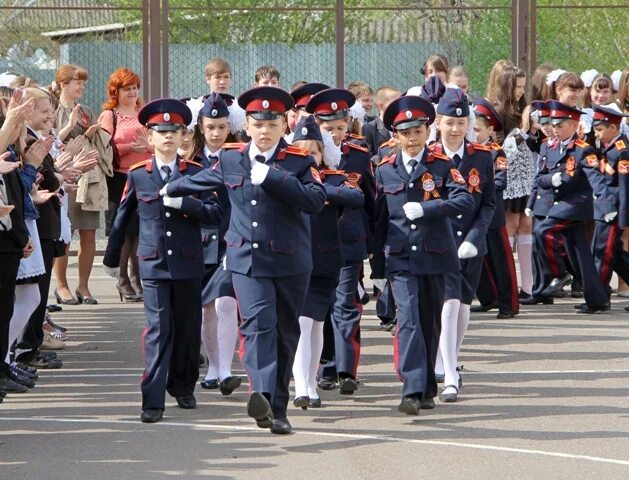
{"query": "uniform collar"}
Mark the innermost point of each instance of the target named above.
(208, 154)
(255, 151)
(613, 141)
(159, 164)
(451, 154)
(407, 158)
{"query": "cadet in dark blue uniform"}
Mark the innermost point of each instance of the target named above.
(219, 330)
(470, 230)
(171, 259)
(271, 188)
(331, 109)
(577, 185)
(418, 191)
(609, 255)
(498, 285)
(327, 261)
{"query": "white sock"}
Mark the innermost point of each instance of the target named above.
(301, 365)
(210, 340)
(227, 336)
(525, 247)
(512, 243)
(316, 347)
(26, 301)
(447, 340)
(463, 321)
(439, 363)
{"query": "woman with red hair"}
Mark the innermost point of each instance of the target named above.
(120, 119)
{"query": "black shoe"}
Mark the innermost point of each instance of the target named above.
(555, 289)
(87, 300)
(54, 308)
(326, 383)
(409, 405)
(65, 301)
(440, 377)
(281, 426)
(25, 372)
(9, 386)
(210, 384)
(21, 379)
(152, 415)
(505, 314)
(533, 300)
(229, 384)
(302, 402)
(484, 308)
(187, 402)
(596, 309)
(449, 397)
(348, 386)
(576, 289)
(314, 402)
(522, 295)
(428, 403)
(364, 300)
(259, 409)
(387, 325)
(627, 308)
(2, 393)
(46, 361)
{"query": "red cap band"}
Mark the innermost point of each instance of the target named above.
(165, 118)
(328, 108)
(603, 117)
(408, 115)
(260, 105)
(565, 114)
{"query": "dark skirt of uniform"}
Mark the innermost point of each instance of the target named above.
(320, 298)
(217, 282)
(516, 205)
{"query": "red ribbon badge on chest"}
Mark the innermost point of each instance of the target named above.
(571, 166)
(474, 181)
(428, 184)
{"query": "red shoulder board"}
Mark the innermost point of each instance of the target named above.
(358, 147)
(623, 167)
(356, 136)
(620, 145)
(456, 176)
(440, 156)
(135, 166)
(192, 162)
(501, 163)
(329, 171)
(496, 146)
(353, 177)
(296, 151)
(592, 160)
(389, 159)
(478, 146)
(315, 174)
(231, 146)
(581, 143)
(389, 143)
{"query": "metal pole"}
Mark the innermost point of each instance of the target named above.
(165, 47)
(145, 51)
(519, 33)
(533, 38)
(155, 71)
(340, 43)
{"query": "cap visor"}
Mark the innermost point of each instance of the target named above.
(333, 116)
(265, 115)
(410, 124)
(165, 127)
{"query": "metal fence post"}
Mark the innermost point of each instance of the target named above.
(154, 73)
(520, 23)
(340, 43)
(164, 43)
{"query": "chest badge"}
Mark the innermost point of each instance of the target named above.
(428, 184)
(571, 166)
(474, 181)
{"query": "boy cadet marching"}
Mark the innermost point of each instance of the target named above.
(171, 259)
(271, 187)
(418, 191)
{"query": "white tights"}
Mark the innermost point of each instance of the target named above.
(26, 301)
(307, 357)
(219, 332)
(455, 318)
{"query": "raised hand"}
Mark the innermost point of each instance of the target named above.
(37, 151)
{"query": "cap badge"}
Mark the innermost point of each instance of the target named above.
(265, 104)
(459, 112)
(409, 114)
(167, 117)
(334, 106)
(304, 130)
(214, 112)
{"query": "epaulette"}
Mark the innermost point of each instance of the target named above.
(620, 145)
(297, 151)
(580, 143)
(192, 162)
(333, 172)
(496, 146)
(478, 146)
(440, 156)
(389, 159)
(356, 136)
(138, 165)
(389, 143)
(358, 147)
(432, 146)
(230, 146)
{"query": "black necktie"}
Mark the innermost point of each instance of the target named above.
(213, 159)
(167, 171)
(456, 159)
(260, 158)
(413, 163)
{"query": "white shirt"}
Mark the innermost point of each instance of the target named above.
(208, 154)
(451, 154)
(160, 164)
(406, 158)
(254, 151)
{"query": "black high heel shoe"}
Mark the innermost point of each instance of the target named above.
(127, 297)
(85, 300)
(63, 301)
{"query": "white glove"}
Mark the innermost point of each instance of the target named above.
(413, 210)
(528, 212)
(556, 179)
(259, 171)
(225, 262)
(173, 202)
(610, 216)
(467, 250)
(380, 283)
(164, 191)
(112, 272)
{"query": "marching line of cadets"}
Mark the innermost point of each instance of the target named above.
(267, 238)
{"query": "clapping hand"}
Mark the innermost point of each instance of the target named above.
(37, 151)
(7, 167)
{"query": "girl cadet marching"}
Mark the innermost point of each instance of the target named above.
(219, 330)
(271, 187)
(418, 192)
(326, 257)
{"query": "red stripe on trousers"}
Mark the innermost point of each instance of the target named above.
(549, 238)
(608, 256)
(515, 302)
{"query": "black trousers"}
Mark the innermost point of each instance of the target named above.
(32, 336)
(9, 265)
